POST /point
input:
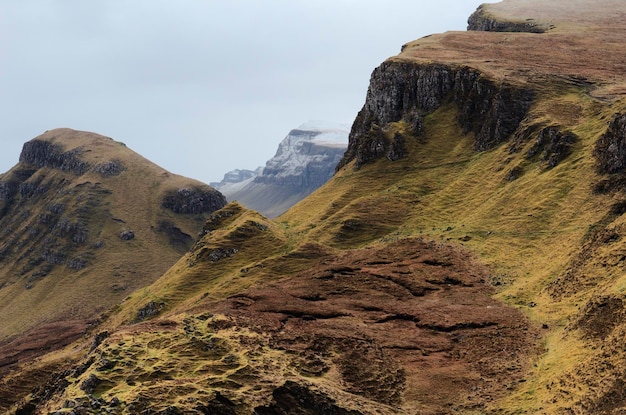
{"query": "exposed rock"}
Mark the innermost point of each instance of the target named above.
(149, 310)
(42, 153)
(127, 235)
(193, 200)
(217, 254)
(98, 339)
(481, 20)
(403, 91)
(219, 405)
(553, 144)
(295, 399)
(305, 160)
(111, 168)
(90, 384)
(610, 149)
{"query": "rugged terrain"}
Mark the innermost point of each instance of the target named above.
(305, 160)
(84, 222)
(466, 257)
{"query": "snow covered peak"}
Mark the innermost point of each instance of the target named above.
(310, 143)
(324, 132)
(305, 160)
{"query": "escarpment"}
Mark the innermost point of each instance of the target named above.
(473, 263)
(193, 200)
(481, 20)
(407, 91)
(41, 153)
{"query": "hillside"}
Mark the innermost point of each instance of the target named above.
(305, 160)
(84, 222)
(466, 257)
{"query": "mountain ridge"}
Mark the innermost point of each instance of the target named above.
(428, 275)
(77, 236)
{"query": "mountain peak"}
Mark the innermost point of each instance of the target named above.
(82, 210)
(305, 160)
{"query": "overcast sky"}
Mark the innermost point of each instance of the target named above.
(200, 87)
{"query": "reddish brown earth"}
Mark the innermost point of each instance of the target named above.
(409, 325)
(21, 351)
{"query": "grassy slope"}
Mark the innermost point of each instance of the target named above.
(131, 202)
(528, 230)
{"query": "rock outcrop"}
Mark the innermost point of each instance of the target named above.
(407, 91)
(193, 200)
(482, 20)
(610, 150)
(42, 153)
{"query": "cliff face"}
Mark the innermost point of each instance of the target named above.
(305, 160)
(482, 20)
(403, 91)
(473, 262)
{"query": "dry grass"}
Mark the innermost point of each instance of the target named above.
(530, 231)
(110, 205)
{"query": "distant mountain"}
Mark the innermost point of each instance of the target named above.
(305, 160)
(467, 257)
(85, 221)
(234, 180)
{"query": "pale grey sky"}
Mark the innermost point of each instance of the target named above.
(199, 87)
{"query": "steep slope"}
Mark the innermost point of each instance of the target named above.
(84, 222)
(466, 257)
(304, 161)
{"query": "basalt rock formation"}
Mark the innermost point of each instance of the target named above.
(481, 20)
(402, 91)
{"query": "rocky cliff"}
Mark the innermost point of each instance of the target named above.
(305, 160)
(235, 179)
(467, 257)
(406, 92)
(482, 20)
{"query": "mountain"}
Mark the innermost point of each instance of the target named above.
(305, 160)
(234, 180)
(84, 222)
(466, 257)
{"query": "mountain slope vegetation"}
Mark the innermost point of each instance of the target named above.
(85, 221)
(466, 257)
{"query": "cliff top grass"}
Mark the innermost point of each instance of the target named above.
(583, 45)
